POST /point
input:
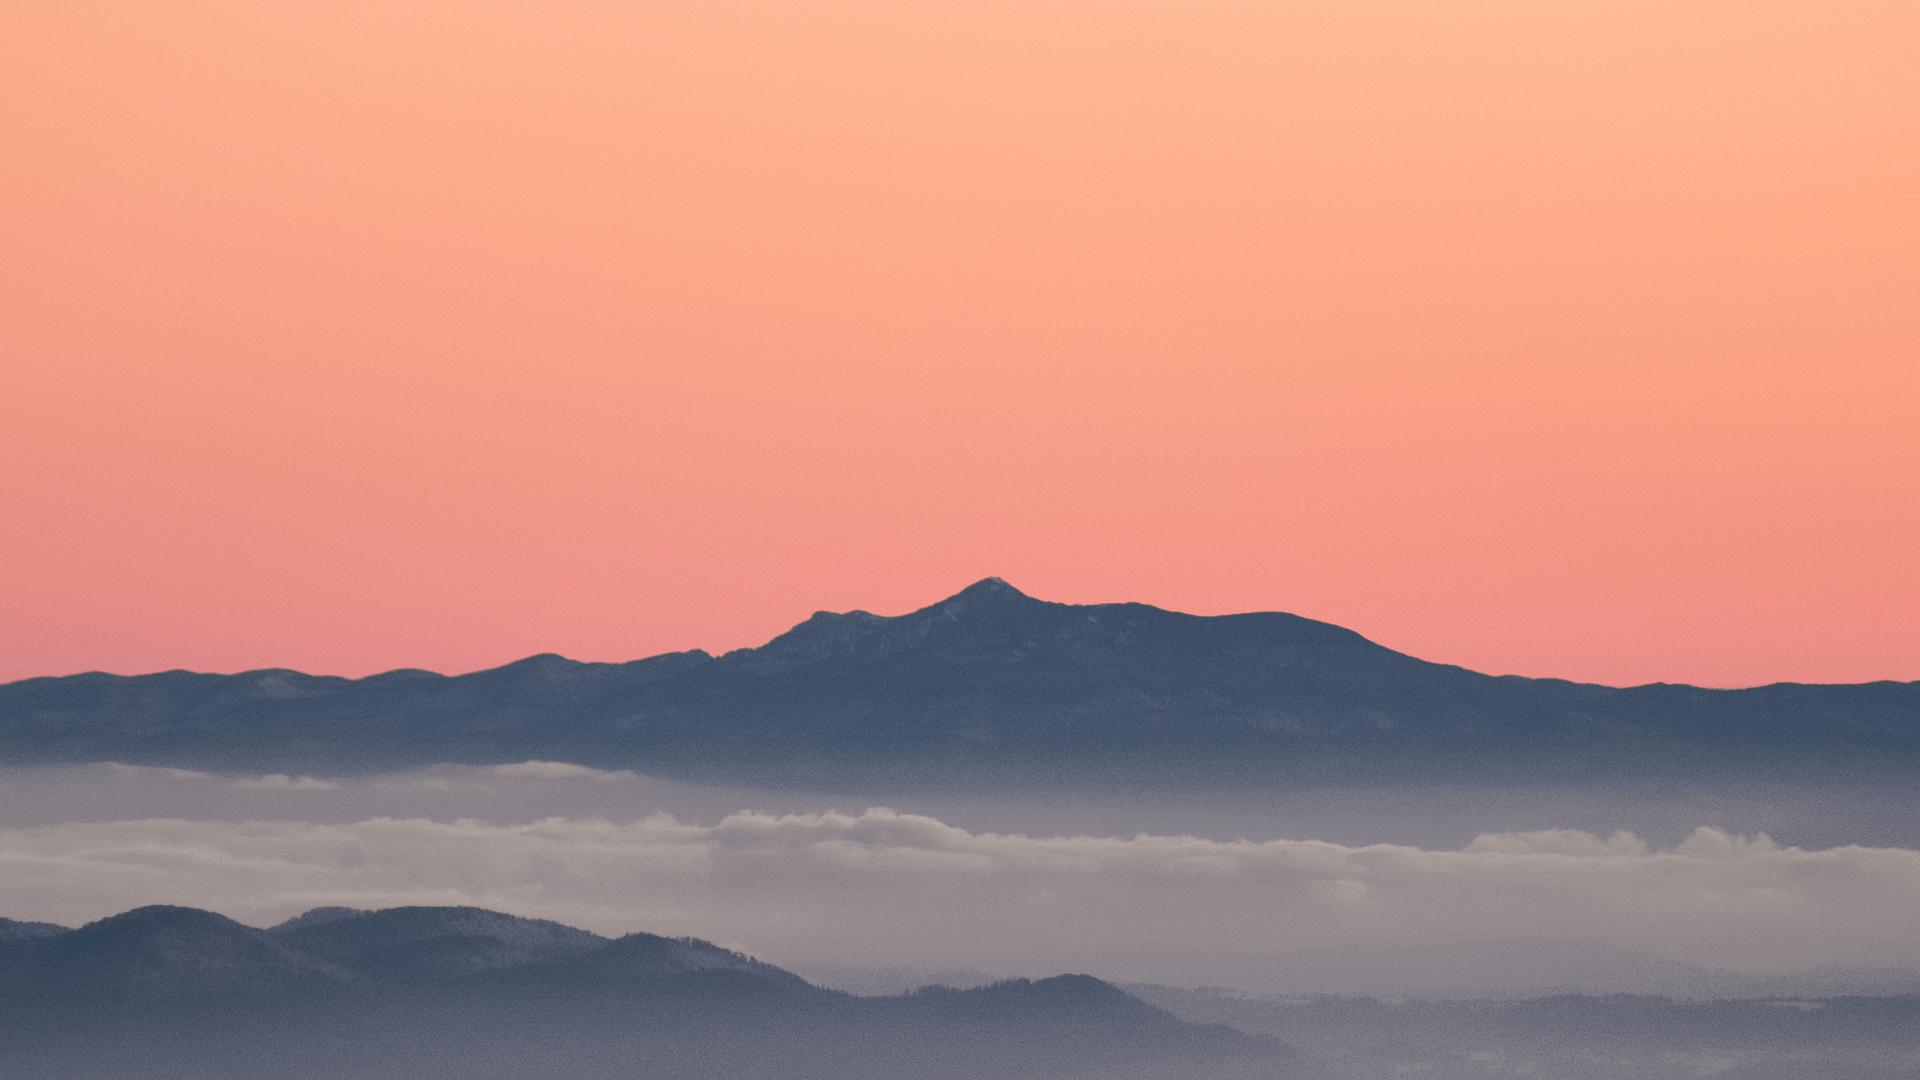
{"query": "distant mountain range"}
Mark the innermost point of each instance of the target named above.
(462, 992)
(1578, 1036)
(1491, 971)
(987, 686)
(425, 993)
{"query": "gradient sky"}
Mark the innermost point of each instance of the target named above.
(1559, 337)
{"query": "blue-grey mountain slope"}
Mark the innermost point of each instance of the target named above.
(1580, 1036)
(460, 992)
(988, 686)
(423, 944)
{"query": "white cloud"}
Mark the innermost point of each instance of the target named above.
(556, 770)
(283, 782)
(882, 887)
(152, 772)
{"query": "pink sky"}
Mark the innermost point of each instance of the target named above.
(1575, 339)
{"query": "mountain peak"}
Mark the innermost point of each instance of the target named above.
(991, 594)
(991, 586)
(414, 943)
(164, 951)
(319, 916)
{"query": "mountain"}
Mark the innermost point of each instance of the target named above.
(157, 953)
(421, 944)
(1612, 1036)
(989, 685)
(462, 992)
(14, 930)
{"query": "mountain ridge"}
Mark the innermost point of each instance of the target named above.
(166, 991)
(988, 683)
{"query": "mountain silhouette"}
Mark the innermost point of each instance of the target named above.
(989, 685)
(463, 992)
(1593, 1036)
(418, 944)
(156, 953)
(14, 930)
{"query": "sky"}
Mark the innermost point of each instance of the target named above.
(1574, 338)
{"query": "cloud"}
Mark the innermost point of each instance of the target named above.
(522, 791)
(152, 772)
(556, 770)
(882, 887)
(283, 782)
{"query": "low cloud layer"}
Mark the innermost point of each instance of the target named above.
(1438, 817)
(883, 887)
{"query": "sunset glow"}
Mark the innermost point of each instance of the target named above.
(1575, 338)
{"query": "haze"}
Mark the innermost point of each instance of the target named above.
(1396, 891)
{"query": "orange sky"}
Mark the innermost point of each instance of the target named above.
(1560, 337)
